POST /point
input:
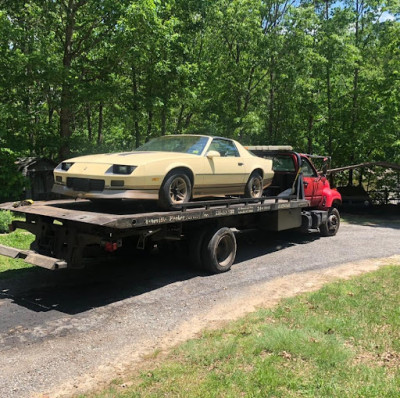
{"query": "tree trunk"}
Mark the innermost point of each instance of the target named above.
(66, 113)
(354, 113)
(180, 118)
(89, 122)
(164, 118)
(100, 127)
(309, 138)
(149, 124)
(135, 115)
(271, 105)
(329, 90)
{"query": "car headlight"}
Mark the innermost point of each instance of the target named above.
(122, 169)
(66, 165)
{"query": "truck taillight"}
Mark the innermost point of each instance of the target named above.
(111, 246)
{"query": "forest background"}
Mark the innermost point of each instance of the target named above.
(85, 76)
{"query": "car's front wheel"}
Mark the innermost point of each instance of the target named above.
(175, 190)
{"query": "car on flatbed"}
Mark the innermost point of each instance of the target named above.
(172, 169)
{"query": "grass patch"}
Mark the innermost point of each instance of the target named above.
(341, 341)
(19, 239)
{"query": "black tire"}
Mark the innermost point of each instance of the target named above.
(332, 224)
(175, 190)
(219, 250)
(196, 241)
(254, 186)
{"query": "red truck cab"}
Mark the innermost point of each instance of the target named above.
(288, 165)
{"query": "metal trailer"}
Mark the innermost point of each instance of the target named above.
(69, 232)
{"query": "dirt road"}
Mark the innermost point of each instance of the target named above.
(63, 333)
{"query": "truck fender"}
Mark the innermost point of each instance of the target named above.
(331, 198)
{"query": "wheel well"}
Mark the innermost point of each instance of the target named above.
(258, 171)
(336, 203)
(184, 170)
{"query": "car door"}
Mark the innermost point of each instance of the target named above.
(312, 185)
(226, 174)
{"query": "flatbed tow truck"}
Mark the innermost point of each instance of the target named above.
(70, 232)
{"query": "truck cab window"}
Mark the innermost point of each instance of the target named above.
(307, 169)
(283, 163)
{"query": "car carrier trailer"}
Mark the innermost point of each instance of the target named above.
(69, 232)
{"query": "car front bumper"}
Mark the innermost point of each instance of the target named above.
(107, 193)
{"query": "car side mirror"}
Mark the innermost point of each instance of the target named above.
(213, 154)
(325, 169)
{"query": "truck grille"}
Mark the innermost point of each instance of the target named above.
(85, 184)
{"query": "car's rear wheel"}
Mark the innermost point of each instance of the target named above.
(175, 190)
(254, 186)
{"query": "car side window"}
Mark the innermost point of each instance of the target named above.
(283, 163)
(224, 147)
(307, 169)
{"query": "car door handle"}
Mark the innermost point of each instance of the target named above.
(306, 184)
(240, 164)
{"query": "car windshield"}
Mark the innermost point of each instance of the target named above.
(173, 143)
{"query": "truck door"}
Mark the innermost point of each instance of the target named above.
(312, 183)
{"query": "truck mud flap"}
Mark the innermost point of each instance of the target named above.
(32, 257)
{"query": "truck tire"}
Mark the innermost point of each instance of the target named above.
(219, 250)
(196, 241)
(254, 186)
(175, 190)
(332, 224)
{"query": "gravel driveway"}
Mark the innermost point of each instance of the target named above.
(62, 333)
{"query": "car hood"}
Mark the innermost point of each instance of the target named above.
(131, 158)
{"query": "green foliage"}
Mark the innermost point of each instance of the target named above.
(5, 221)
(91, 76)
(11, 181)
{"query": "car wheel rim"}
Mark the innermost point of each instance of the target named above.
(224, 251)
(256, 187)
(178, 190)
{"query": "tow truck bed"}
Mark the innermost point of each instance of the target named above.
(68, 232)
(126, 216)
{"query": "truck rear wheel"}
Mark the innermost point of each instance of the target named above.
(332, 224)
(196, 241)
(219, 250)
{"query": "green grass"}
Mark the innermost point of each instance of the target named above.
(21, 240)
(341, 341)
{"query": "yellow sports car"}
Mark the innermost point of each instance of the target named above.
(172, 169)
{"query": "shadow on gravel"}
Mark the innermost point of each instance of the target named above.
(76, 291)
(256, 243)
(371, 218)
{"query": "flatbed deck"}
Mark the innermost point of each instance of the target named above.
(132, 215)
